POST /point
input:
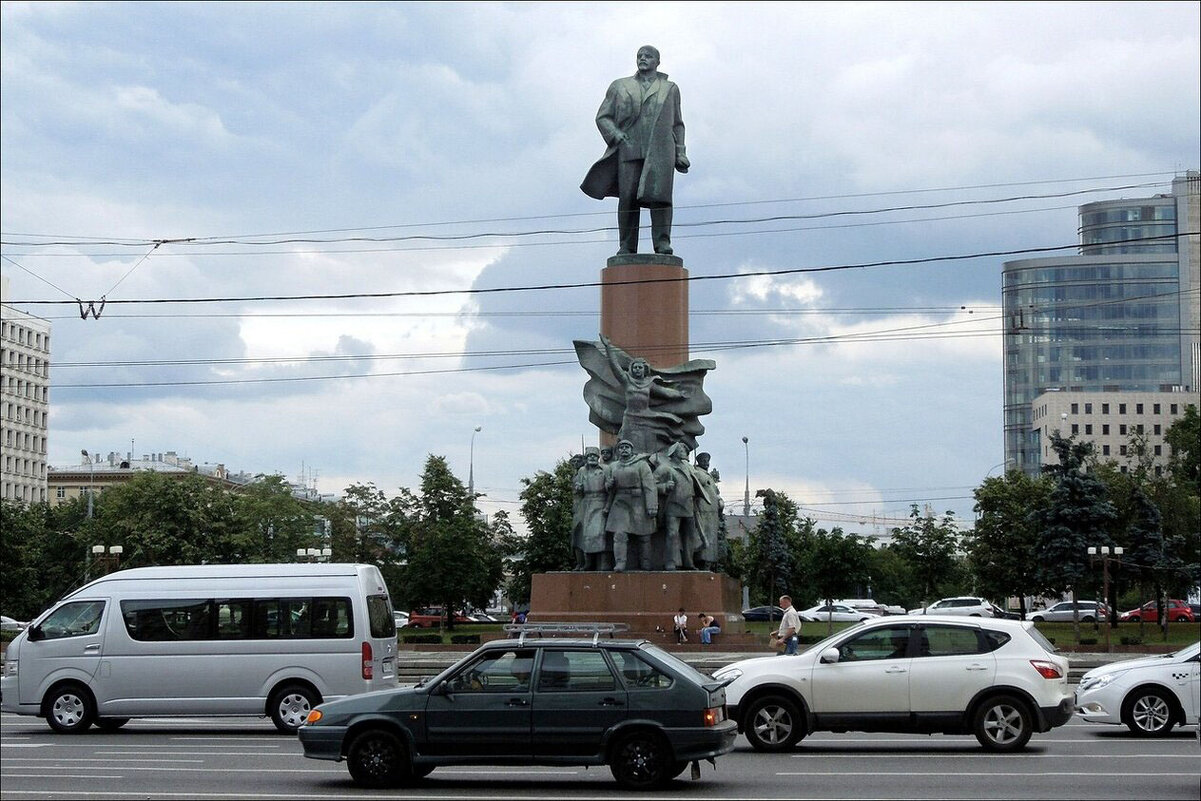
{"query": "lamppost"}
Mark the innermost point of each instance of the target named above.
(91, 480)
(316, 554)
(746, 493)
(114, 556)
(471, 466)
(1102, 553)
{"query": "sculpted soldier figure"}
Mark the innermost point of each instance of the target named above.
(632, 508)
(591, 498)
(640, 122)
(708, 505)
(674, 479)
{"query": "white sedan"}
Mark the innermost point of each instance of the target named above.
(839, 613)
(1149, 695)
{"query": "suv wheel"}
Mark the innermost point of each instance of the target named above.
(290, 706)
(641, 761)
(377, 759)
(1148, 712)
(773, 723)
(1002, 724)
(69, 709)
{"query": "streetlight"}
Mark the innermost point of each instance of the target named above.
(1103, 553)
(746, 494)
(114, 556)
(471, 466)
(91, 480)
(317, 554)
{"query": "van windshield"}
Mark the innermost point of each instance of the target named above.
(379, 613)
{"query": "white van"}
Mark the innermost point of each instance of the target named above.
(204, 640)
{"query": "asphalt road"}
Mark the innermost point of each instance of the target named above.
(230, 758)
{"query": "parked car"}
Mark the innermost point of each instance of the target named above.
(1149, 695)
(1062, 612)
(1005, 614)
(763, 613)
(401, 618)
(483, 617)
(963, 605)
(1177, 611)
(623, 703)
(433, 617)
(838, 613)
(8, 624)
(864, 605)
(998, 679)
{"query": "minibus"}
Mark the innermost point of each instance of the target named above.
(194, 640)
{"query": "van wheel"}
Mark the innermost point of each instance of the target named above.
(69, 709)
(1003, 724)
(291, 705)
(773, 724)
(378, 759)
(110, 724)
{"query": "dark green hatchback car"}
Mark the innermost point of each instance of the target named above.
(627, 704)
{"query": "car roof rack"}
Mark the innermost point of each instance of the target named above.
(544, 629)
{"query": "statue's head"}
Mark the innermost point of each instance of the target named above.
(677, 452)
(592, 457)
(577, 460)
(640, 368)
(702, 460)
(606, 454)
(648, 58)
(625, 449)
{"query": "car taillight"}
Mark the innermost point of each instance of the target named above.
(368, 667)
(715, 715)
(1048, 670)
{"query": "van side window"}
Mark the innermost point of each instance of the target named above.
(166, 621)
(73, 620)
(238, 619)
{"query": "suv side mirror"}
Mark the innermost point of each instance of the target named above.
(829, 656)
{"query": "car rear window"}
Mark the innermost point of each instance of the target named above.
(679, 666)
(1038, 637)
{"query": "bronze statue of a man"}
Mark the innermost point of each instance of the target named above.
(640, 122)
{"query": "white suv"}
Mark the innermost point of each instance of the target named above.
(963, 605)
(997, 679)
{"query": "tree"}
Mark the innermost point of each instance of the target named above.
(837, 563)
(1184, 437)
(42, 558)
(931, 548)
(773, 548)
(1077, 517)
(272, 523)
(546, 505)
(450, 556)
(1001, 548)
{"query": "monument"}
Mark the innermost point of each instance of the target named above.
(648, 521)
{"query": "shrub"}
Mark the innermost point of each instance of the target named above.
(421, 639)
(1128, 640)
(465, 639)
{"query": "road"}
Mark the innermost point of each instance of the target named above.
(228, 758)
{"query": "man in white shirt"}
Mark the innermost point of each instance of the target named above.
(790, 627)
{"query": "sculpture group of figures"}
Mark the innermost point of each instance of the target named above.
(644, 505)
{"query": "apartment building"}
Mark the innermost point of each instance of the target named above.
(24, 402)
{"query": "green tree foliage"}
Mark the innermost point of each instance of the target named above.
(836, 564)
(272, 523)
(546, 505)
(450, 554)
(1078, 516)
(931, 550)
(363, 526)
(41, 556)
(1184, 437)
(1002, 546)
(771, 559)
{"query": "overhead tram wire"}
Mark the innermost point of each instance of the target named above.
(475, 291)
(904, 333)
(274, 238)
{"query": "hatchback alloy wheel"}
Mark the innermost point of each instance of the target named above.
(640, 762)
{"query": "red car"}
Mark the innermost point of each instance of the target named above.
(433, 617)
(1177, 611)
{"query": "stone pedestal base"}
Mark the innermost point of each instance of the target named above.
(644, 601)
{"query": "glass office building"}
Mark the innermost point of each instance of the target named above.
(1120, 317)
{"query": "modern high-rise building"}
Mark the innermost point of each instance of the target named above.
(24, 402)
(1122, 316)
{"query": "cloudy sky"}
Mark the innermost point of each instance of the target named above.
(337, 183)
